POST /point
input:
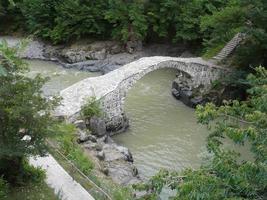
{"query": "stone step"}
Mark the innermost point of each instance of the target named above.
(230, 46)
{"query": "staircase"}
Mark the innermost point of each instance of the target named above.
(229, 47)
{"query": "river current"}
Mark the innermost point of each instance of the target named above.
(163, 132)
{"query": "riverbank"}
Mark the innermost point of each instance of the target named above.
(94, 56)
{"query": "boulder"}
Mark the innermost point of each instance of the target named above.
(98, 126)
(100, 155)
(80, 124)
(122, 172)
(125, 151)
(84, 137)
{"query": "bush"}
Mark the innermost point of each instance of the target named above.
(65, 136)
(91, 108)
(3, 188)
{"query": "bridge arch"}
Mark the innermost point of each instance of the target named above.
(111, 89)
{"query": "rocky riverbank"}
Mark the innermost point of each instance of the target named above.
(94, 56)
(114, 160)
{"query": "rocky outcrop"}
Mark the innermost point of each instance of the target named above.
(116, 161)
(186, 91)
(95, 56)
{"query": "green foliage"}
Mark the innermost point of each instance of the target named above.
(225, 176)
(223, 24)
(24, 114)
(65, 135)
(40, 16)
(128, 19)
(238, 16)
(3, 188)
(122, 194)
(91, 108)
(77, 18)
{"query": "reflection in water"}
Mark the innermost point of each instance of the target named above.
(163, 132)
(60, 78)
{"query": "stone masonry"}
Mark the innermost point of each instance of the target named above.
(111, 89)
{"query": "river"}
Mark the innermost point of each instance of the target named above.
(60, 78)
(163, 132)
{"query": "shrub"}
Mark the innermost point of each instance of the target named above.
(65, 136)
(91, 108)
(3, 188)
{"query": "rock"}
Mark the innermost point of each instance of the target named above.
(89, 65)
(90, 145)
(133, 46)
(84, 137)
(80, 124)
(98, 147)
(99, 55)
(125, 151)
(98, 126)
(105, 171)
(122, 173)
(112, 153)
(115, 49)
(100, 155)
(102, 140)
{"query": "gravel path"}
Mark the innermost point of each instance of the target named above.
(58, 179)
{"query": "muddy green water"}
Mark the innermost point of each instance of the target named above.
(60, 78)
(163, 132)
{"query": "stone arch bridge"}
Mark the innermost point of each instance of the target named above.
(111, 89)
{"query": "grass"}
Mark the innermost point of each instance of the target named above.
(32, 191)
(65, 142)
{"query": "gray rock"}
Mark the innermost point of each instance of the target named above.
(89, 65)
(84, 137)
(122, 173)
(100, 155)
(98, 126)
(99, 55)
(115, 49)
(125, 151)
(80, 124)
(112, 153)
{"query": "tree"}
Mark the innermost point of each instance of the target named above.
(77, 18)
(40, 16)
(227, 175)
(128, 19)
(24, 115)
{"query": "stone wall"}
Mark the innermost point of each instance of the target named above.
(112, 88)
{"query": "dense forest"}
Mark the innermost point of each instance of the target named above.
(206, 24)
